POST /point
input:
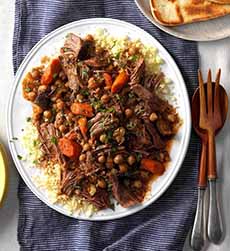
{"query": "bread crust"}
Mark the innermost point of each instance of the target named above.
(193, 11)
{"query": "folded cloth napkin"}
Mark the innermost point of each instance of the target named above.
(161, 226)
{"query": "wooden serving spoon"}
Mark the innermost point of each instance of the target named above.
(197, 236)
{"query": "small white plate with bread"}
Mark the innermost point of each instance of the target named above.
(197, 20)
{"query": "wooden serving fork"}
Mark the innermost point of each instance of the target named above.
(211, 122)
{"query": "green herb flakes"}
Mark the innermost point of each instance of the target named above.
(28, 119)
(28, 89)
(84, 92)
(55, 75)
(19, 157)
(53, 140)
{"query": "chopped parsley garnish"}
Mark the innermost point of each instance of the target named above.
(35, 162)
(109, 135)
(35, 142)
(111, 109)
(28, 119)
(117, 97)
(14, 138)
(84, 92)
(114, 149)
(133, 58)
(55, 75)
(84, 73)
(138, 156)
(117, 56)
(28, 89)
(53, 140)
(131, 95)
(131, 125)
(19, 157)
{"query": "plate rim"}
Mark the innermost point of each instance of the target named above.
(176, 34)
(16, 83)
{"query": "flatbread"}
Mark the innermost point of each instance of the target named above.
(178, 12)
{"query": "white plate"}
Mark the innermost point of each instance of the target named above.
(201, 31)
(19, 109)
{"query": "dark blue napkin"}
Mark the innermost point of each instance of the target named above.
(163, 225)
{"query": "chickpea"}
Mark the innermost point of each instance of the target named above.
(31, 96)
(86, 147)
(131, 160)
(35, 74)
(37, 109)
(101, 159)
(153, 117)
(62, 128)
(89, 37)
(105, 98)
(101, 183)
(128, 113)
(70, 116)
(103, 138)
(171, 117)
(82, 157)
(79, 97)
(60, 105)
(113, 171)
(118, 159)
(91, 141)
(42, 88)
(54, 99)
(92, 189)
(123, 168)
(137, 184)
(132, 50)
(92, 83)
(47, 114)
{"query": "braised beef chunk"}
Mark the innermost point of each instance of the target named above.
(69, 66)
(101, 121)
(96, 62)
(152, 101)
(138, 72)
(48, 138)
(43, 100)
(100, 199)
(74, 44)
(154, 81)
(70, 181)
(157, 142)
(123, 194)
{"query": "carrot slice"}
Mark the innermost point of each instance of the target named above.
(108, 79)
(83, 109)
(69, 148)
(82, 122)
(51, 72)
(119, 82)
(152, 166)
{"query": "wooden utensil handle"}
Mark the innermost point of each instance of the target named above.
(211, 156)
(202, 180)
